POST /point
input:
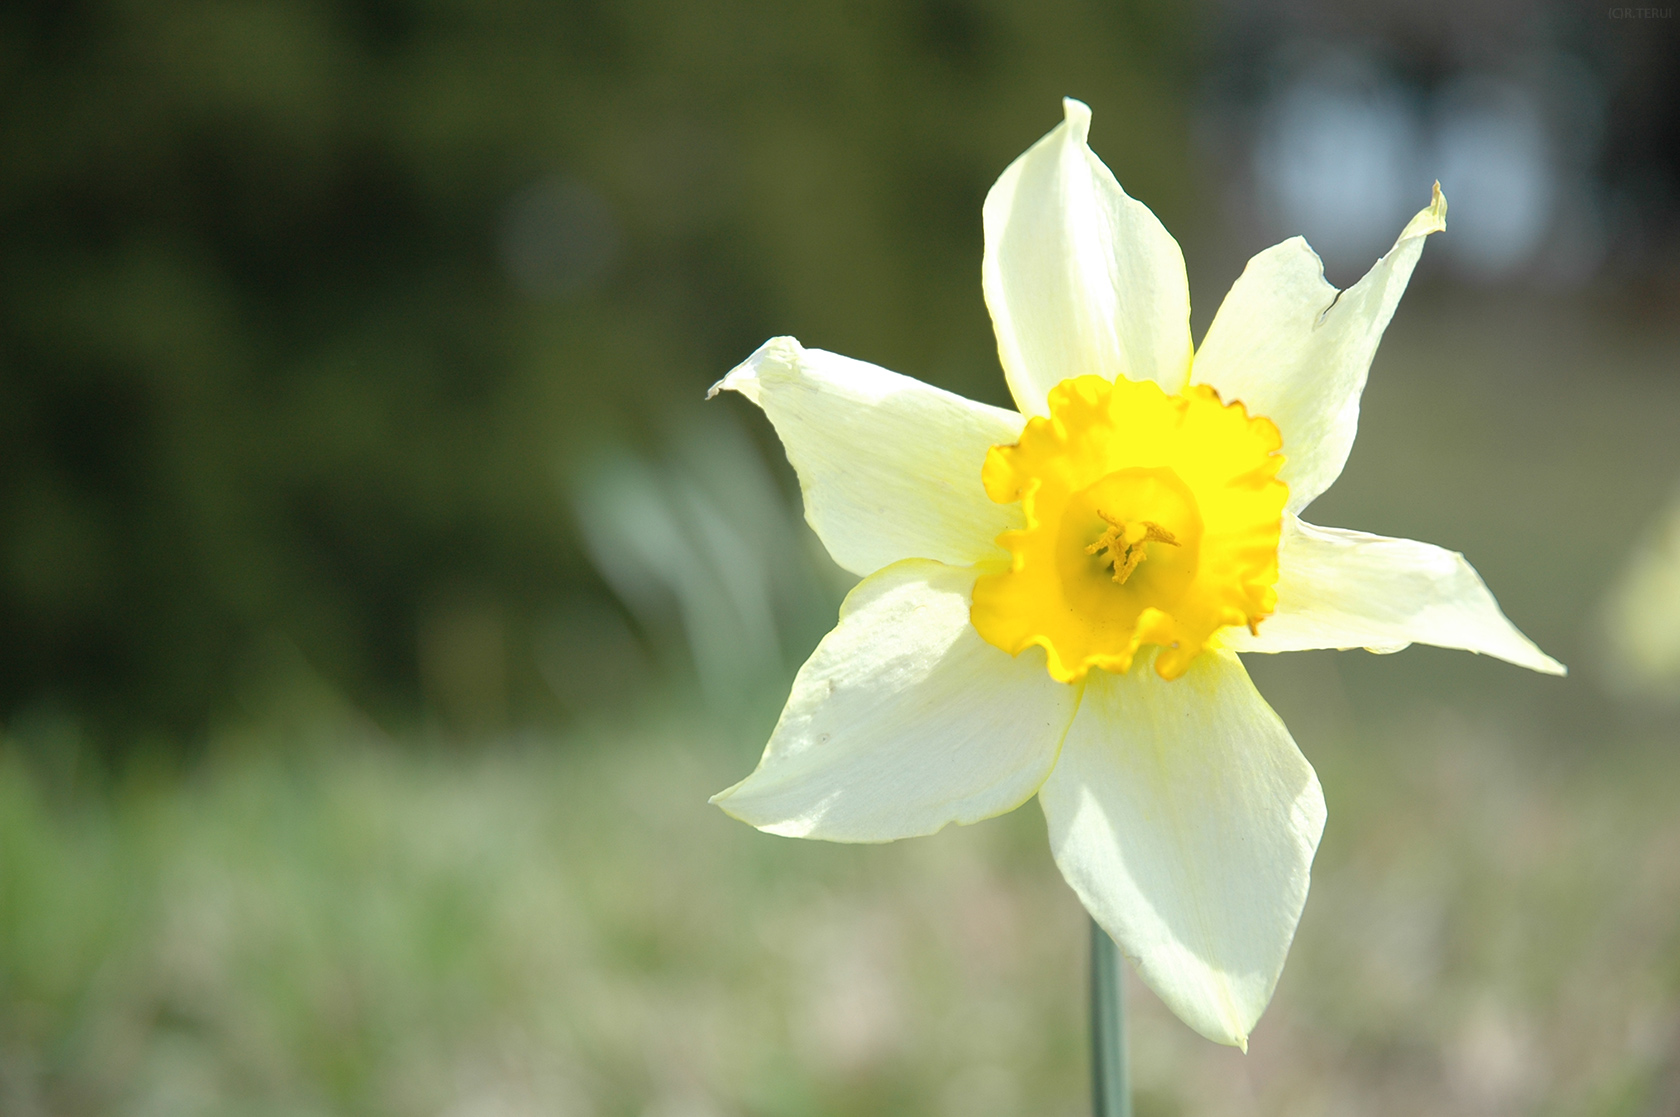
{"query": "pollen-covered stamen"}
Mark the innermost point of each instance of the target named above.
(1127, 544)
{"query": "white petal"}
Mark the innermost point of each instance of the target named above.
(1080, 278)
(1186, 819)
(1346, 589)
(1294, 350)
(904, 720)
(889, 466)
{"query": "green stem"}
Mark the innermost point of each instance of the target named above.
(1111, 1093)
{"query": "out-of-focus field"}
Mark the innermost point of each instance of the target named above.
(565, 927)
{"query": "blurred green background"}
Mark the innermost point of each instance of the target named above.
(382, 601)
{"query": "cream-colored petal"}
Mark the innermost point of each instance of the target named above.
(1346, 589)
(1640, 616)
(904, 720)
(889, 466)
(1080, 278)
(1186, 820)
(1293, 349)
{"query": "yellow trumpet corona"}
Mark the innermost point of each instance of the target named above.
(1150, 519)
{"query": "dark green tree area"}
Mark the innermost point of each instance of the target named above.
(307, 308)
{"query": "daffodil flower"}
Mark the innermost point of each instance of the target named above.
(1052, 600)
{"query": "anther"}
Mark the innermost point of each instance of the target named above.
(1127, 546)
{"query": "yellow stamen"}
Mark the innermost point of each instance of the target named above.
(1127, 546)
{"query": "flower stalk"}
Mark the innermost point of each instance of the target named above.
(1111, 1090)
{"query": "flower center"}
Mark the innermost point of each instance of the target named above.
(1125, 545)
(1150, 519)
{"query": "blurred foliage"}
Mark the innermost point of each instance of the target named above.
(307, 309)
(558, 932)
(574, 932)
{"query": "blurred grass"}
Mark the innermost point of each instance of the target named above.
(575, 931)
(541, 931)
(318, 921)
